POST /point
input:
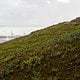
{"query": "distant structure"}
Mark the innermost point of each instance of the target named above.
(76, 20)
(12, 34)
(3, 36)
(7, 38)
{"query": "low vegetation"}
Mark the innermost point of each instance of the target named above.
(52, 53)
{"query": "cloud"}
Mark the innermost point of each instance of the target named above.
(64, 1)
(35, 12)
(48, 2)
(21, 12)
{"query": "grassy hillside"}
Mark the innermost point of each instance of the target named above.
(52, 53)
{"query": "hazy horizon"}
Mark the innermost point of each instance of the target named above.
(17, 30)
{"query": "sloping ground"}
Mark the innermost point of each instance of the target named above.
(76, 20)
(52, 53)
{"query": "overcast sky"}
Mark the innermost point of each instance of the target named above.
(24, 16)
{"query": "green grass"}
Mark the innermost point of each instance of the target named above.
(52, 53)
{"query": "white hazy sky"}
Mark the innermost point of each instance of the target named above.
(24, 16)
